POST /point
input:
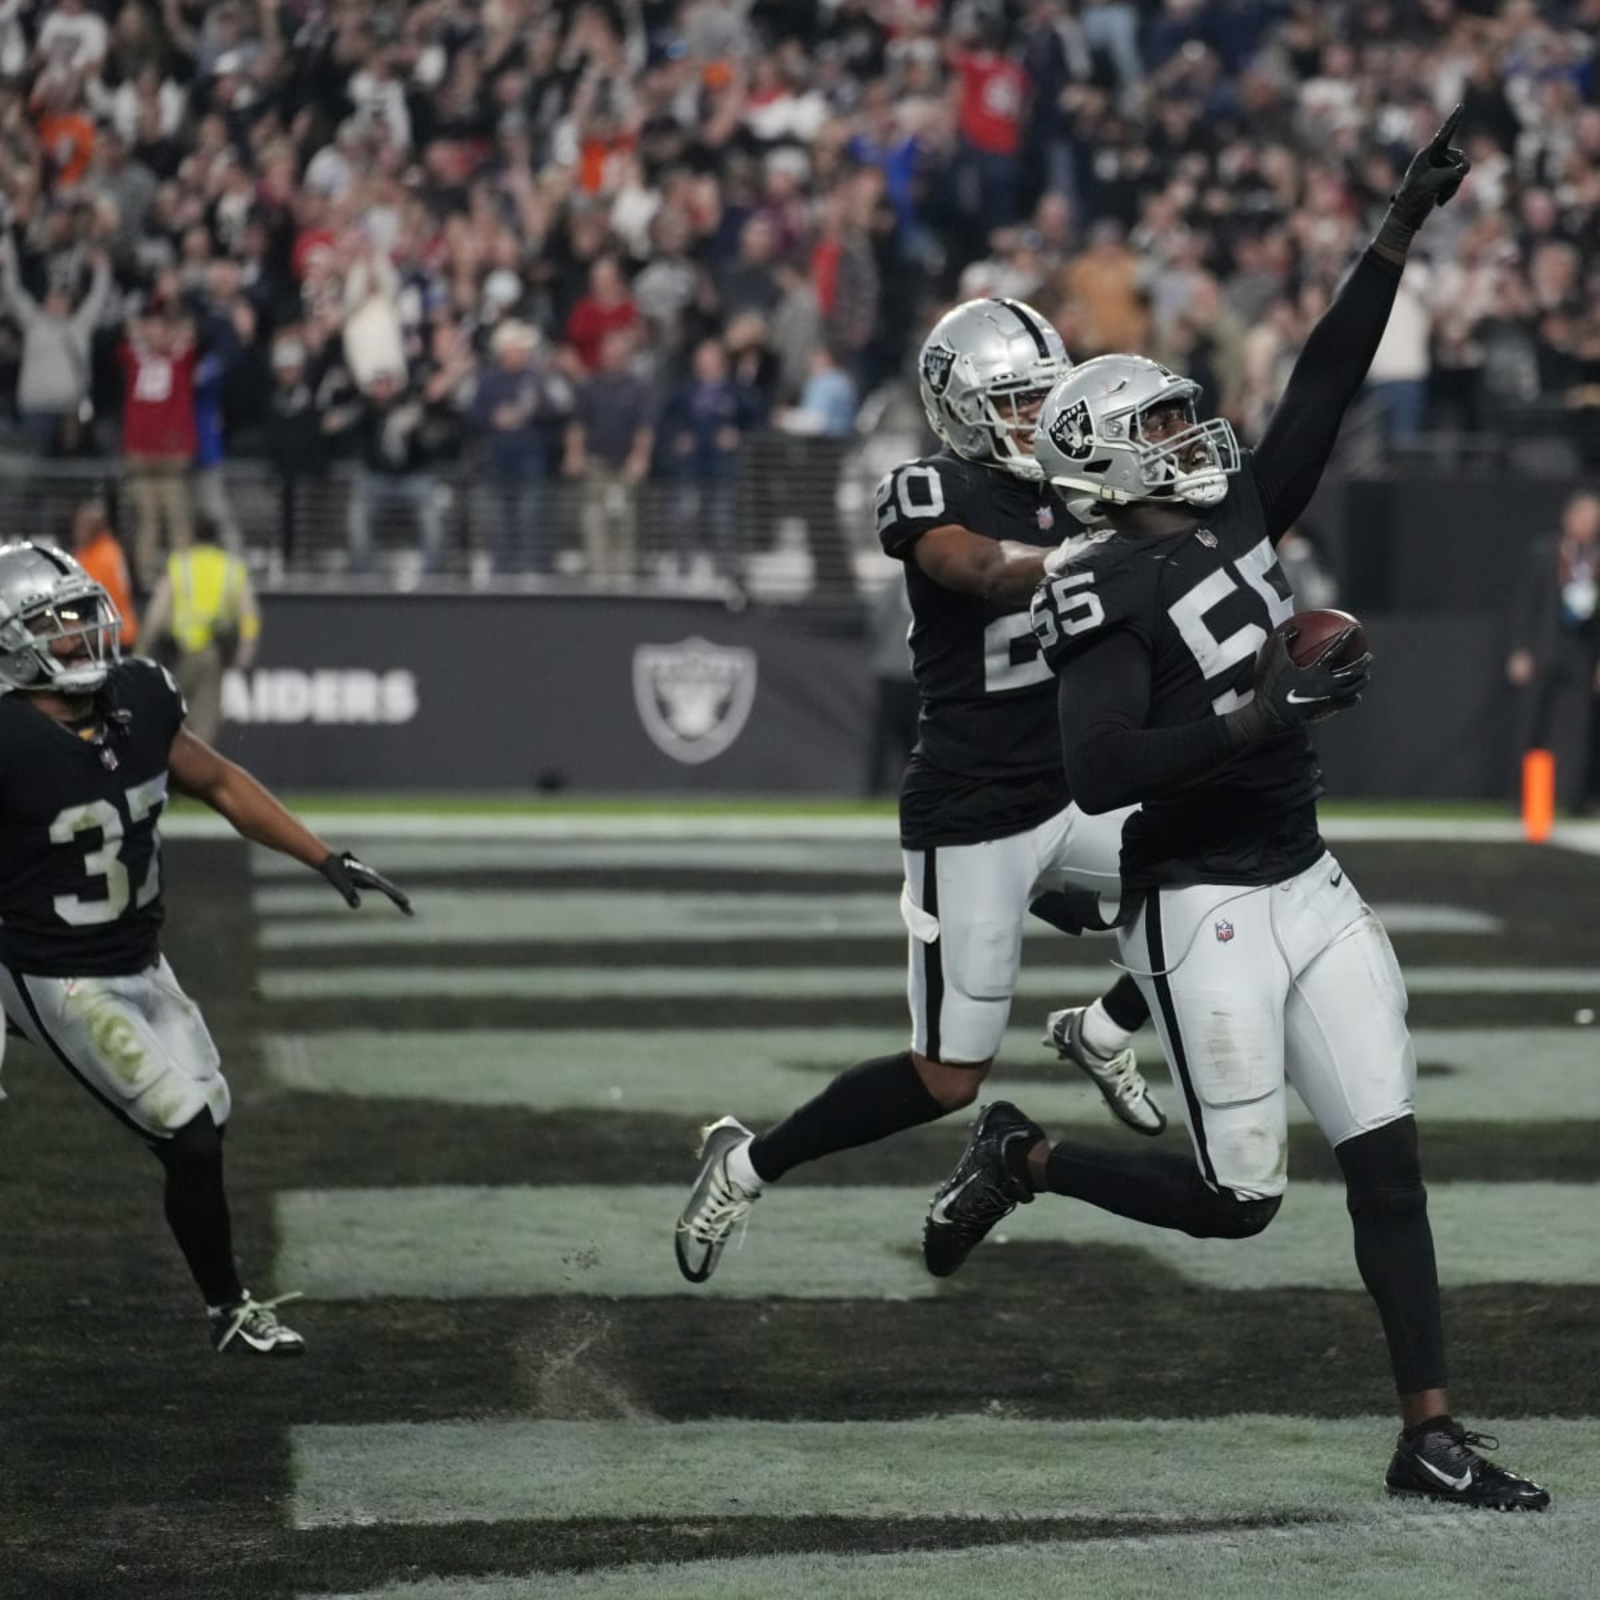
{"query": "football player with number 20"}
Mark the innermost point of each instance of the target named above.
(1261, 963)
(88, 746)
(987, 826)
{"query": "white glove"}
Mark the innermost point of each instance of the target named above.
(1060, 558)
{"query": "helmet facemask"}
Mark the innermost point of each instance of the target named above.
(67, 641)
(1011, 416)
(1122, 430)
(1193, 464)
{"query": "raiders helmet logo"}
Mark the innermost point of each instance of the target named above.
(693, 697)
(1070, 434)
(937, 361)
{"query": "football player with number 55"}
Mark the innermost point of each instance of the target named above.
(1262, 965)
(88, 746)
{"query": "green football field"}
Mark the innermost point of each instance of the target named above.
(465, 1139)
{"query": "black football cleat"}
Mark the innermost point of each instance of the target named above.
(1441, 1464)
(980, 1192)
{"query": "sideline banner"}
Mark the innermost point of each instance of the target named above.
(536, 693)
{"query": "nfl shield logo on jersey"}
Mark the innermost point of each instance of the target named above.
(1224, 931)
(694, 697)
(1046, 518)
(1207, 538)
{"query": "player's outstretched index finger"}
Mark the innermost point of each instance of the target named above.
(1441, 140)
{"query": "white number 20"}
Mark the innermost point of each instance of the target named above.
(918, 491)
(145, 800)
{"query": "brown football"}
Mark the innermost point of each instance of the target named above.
(1334, 635)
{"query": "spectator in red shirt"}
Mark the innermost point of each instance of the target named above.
(989, 112)
(159, 440)
(607, 307)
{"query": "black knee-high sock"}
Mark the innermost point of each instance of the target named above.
(1125, 1005)
(1394, 1249)
(862, 1105)
(1164, 1190)
(197, 1208)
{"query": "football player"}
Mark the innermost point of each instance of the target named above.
(986, 823)
(1260, 961)
(91, 743)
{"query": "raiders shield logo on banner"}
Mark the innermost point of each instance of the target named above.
(694, 697)
(936, 365)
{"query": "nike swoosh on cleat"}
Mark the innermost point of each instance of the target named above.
(1337, 879)
(1460, 1485)
(937, 1211)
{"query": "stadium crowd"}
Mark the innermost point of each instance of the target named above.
(557, 254)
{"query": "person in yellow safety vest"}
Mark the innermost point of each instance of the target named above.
(206, 605)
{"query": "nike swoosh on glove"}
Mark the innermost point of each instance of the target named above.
(1289, 696)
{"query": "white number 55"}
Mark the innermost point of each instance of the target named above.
(1076, 606)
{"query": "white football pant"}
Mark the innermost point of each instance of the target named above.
(1251, 988)
(137, 1043)
(966, 906)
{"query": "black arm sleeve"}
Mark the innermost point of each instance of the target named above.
(1111, 758)
(1333, 364)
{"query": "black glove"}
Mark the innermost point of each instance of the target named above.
(350, 876)
(1433, 177)
(1289, 696)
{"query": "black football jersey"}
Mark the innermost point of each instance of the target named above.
(987, 762)
(80, 860)
(1202, 602)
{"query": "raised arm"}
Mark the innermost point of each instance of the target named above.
(1304, 425)
(21, 302)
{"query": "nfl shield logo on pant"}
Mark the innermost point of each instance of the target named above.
(1224, 931)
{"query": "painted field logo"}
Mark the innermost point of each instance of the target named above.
(694, 697)
(1224, 931)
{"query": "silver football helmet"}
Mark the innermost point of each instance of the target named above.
(981, 369)
(58, 628)
(1092, 439)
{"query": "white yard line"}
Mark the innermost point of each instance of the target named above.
(453, 1242)
(357, 826)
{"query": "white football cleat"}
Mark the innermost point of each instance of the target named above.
(717, 1204)
(251, 1324)
(1116, 1076)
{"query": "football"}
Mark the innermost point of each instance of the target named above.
(1334, 636)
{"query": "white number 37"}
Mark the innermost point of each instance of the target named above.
(1073, 607)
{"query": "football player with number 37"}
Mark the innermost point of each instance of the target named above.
(88, 745)
(986, 823)
(1261, 963)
